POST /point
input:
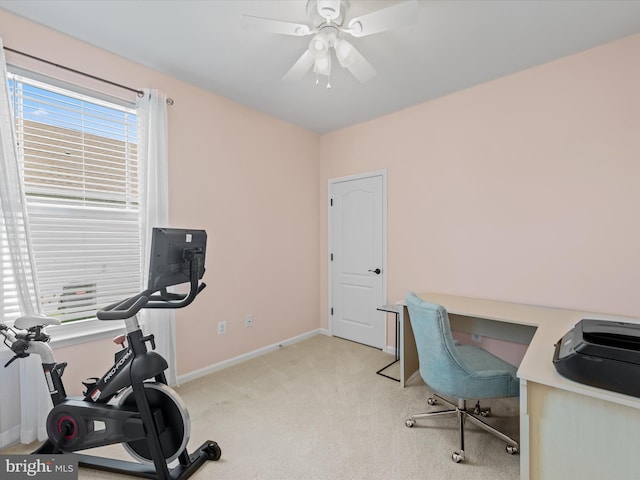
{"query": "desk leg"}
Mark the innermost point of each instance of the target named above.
(397, 354)
(408, 351)
(524, 431)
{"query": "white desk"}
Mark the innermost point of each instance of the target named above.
(567, 430)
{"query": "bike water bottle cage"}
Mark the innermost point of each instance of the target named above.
(149, 338)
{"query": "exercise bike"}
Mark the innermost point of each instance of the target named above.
(131, 403)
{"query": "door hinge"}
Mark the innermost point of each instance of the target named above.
(332, 257)
(331, 310)
(331, 202)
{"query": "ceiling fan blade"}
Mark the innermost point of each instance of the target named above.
(269, 25)
(352, 59)
(399, 15)
(300, 68)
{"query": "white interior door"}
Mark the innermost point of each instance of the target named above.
(357, 256)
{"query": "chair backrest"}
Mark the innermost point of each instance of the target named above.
(440, 365)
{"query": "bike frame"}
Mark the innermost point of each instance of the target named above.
(116, 378)
(133, 365)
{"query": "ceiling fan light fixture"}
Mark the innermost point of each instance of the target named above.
(322, 66)
(351, 59)
(345, 53)
(319, 45)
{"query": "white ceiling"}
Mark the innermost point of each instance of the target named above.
(455, 45)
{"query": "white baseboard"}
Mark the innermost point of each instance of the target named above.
(247, 356)
(10, 437)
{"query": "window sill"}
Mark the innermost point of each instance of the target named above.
(80, 332)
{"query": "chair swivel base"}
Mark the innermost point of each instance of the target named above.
(463, 413)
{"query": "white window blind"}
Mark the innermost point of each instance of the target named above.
(78, 158)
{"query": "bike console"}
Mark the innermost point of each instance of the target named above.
(177, 257)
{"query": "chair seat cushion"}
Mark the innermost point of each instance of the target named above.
(493, 376)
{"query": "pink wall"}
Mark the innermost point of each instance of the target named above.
(250, 180)
(523, 189)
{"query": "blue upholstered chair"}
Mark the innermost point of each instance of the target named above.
(461, 372)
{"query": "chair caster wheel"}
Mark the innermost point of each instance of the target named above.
(483, 412)
(511, 450)
(410, 422)
(431, 401)
(457, 457)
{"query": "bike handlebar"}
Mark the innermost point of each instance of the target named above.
(129, 307)
(124, 309)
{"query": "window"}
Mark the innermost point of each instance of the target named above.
(78, 159)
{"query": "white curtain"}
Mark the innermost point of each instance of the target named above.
(33, 401)
(154, 212)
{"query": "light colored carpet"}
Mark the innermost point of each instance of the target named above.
(317, 410)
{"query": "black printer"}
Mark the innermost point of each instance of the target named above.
(601, 353)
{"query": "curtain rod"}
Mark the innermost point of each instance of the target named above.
(140, 93)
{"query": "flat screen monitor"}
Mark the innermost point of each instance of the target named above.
(171, 249)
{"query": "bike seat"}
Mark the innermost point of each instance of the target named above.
(34, 320)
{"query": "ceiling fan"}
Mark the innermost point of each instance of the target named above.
(329, 26)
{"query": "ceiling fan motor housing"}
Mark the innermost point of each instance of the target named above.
(327, 11)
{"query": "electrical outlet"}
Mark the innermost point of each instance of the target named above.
(222, 327)
(248, 321)
(476, 338)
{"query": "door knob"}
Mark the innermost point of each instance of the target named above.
(377, 271)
